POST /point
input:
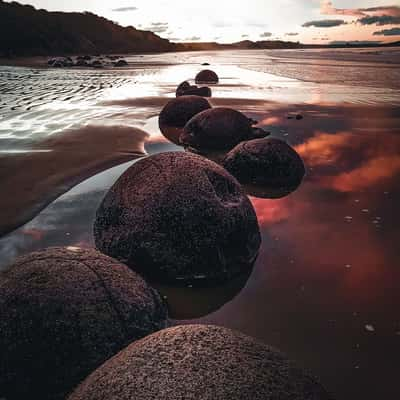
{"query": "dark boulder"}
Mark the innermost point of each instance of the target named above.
(64, 311)
(177, 112)
(96, 64)
(199, 362)
(185, 89)
(269, 162)
(81, 63)
(120, 63)
(218, 129)
(206, 76)
(179, 218)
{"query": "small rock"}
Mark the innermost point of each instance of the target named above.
(121, 63)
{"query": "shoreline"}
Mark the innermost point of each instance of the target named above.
(38, 177)
(70, 162)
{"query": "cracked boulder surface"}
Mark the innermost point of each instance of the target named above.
(64, 311)
(177, 112)
(179, 218)
(199, 362)
(270, 162)
(218, 129)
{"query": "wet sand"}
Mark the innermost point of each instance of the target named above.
(34, 178)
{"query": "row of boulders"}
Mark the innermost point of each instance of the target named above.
(243, 148)
(87, 61)
(178, 219)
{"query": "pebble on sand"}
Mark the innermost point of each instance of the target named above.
(179, 218)
(64, 311)
(177, 112)
(199, 362)
(269, 161)
(206, 76)
(218, 129)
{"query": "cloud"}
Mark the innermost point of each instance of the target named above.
(379, 20)
(245, 36)
(266, 34)
(325, 23)
(157, 27)
(123, 9)
(291, 34)
(327, 8)
(354, 42)
(388, 32)
(394, 11)
(192, 39)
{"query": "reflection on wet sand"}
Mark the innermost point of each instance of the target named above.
(327, 276)
(196, 302)
(37, 178)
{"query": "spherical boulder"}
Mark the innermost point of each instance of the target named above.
(177, 112)
(199, 362)
(64, 311)
(179, 218)
(218, 129)
(269, 162)
(185, 89)
(206, 76)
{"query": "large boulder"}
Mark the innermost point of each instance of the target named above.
(268, 162)
(177, 112)
(185, 89)
(199, 362)
(218, 129)
(206, 76)
(64, 311)
(179, 218)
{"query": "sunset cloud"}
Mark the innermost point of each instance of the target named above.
(379, 20)
(327, 8)
(388, 32)
(324, 23)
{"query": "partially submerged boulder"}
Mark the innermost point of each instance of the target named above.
(64, 311)
(179, 218)
(218, 129)
(199, 362)
(185, 89)
(207, 76)
(268, 162)
(177, 112)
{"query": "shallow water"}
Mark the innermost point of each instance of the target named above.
(325, 287)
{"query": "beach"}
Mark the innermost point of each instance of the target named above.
(324, 288)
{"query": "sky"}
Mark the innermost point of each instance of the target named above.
(307, 21)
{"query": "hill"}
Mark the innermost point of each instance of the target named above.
(26, 31)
